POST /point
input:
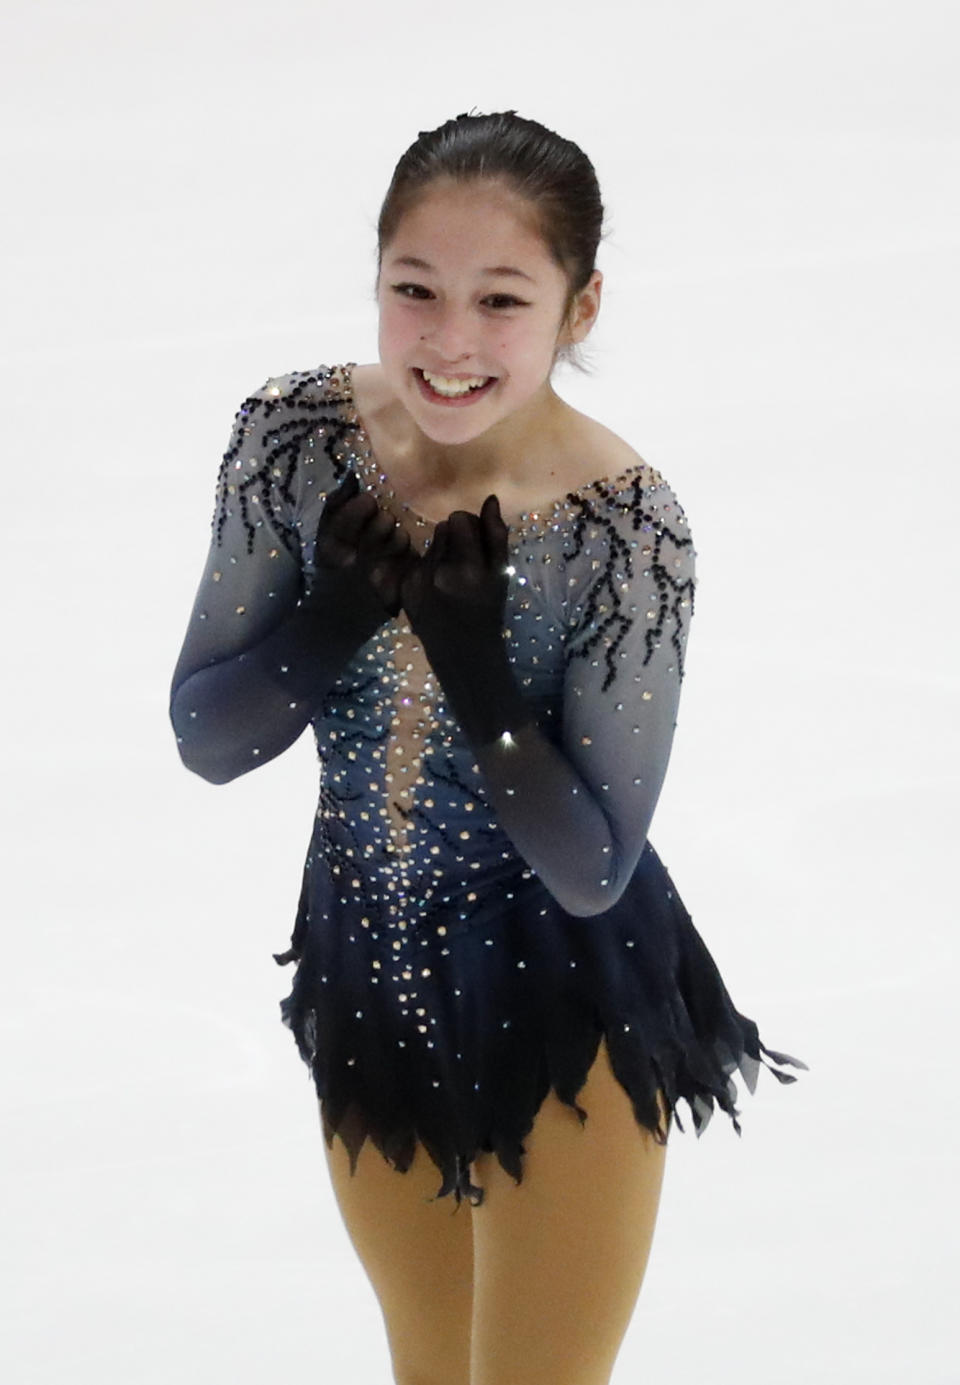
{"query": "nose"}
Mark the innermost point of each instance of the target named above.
(449, 335)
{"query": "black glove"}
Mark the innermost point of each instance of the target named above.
(361, 555)
(455, 598)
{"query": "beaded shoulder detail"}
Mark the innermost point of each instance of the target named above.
(274, 429)
(610, 532)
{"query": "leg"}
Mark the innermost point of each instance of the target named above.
(559, 1259)
(418, 1257)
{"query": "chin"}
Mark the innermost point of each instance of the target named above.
(453, 436)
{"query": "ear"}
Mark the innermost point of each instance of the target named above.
(584, 312)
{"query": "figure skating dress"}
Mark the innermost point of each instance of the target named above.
(449, 975)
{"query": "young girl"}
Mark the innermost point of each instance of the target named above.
(479, 598)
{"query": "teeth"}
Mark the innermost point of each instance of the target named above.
(444, 385)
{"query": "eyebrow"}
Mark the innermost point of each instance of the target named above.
(414, 263)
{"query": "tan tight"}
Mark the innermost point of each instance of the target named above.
(537, 1285)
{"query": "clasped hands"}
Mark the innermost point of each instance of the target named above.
(454, 596)
(458, 588)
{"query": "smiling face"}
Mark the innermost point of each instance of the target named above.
(469, 291)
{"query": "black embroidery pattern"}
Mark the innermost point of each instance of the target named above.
(267, 487)
(603, 591)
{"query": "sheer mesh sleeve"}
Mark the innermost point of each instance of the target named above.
(263, 646)
(625, 656)
(579, 810)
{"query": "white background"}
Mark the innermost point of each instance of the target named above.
(192, 192)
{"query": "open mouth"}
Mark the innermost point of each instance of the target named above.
(442, 390)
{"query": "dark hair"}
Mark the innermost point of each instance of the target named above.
(553, 173)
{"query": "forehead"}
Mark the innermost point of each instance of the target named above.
(469, 221)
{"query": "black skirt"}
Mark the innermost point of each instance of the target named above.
(459, 1048)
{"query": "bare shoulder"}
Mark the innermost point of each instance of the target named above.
(596, 451)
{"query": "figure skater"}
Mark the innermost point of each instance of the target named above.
(479, 598)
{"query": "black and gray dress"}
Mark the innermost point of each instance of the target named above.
(448, 975)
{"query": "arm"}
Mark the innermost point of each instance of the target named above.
(263, 647)
(238, 713)
(580, 815)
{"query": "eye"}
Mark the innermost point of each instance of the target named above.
(405, 290)
(506, 300)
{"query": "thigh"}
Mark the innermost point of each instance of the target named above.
(418, 1256)
(559, 1258)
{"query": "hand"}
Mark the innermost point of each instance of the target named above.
(455, 598)
(355, 534)
(458, 590)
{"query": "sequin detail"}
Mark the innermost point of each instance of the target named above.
(604, 612)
